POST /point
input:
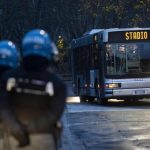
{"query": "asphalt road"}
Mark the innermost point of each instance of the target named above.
(116, 126)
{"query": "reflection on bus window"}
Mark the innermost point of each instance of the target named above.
(132, 51)
(121, 58)
(127, 58)
(109, 58)
(133, 58)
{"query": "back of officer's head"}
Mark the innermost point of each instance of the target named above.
(37, 49)
(9, 55)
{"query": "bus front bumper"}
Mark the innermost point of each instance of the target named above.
(127, 92)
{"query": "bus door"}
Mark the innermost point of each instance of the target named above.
(94, 80)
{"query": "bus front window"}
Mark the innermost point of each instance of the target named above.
(110, 59)
(128, 58)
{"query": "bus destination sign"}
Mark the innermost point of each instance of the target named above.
(129, 36)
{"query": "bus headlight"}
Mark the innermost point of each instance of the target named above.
(112, 85)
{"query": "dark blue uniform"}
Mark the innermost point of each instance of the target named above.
(32, 98)
(35, 98)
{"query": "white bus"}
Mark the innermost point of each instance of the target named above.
(112, 63)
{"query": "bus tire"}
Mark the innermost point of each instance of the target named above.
(102, 101)
(83, 98)
(91, 99)
(135, 100)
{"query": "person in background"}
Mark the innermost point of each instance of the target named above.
(110, 59)
(34, 97)
(121, 61)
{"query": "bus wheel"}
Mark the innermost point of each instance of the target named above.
(83, 98)
(134, 99)
(129, 101)
(91, 99)
(102, 101)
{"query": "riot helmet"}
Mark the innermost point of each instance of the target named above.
(38, 49)
(38, 43)
(9, 55)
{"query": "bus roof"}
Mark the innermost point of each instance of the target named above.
(93, 31)
(125, 29)
(87, 37)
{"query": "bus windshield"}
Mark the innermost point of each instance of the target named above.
(127, 58)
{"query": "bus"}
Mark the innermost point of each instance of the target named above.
(111, 64)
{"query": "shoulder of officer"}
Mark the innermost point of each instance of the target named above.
(56, 79)
(12, 73)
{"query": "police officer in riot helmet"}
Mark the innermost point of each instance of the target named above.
(9, 56)
(35, 95)
(9, 59)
